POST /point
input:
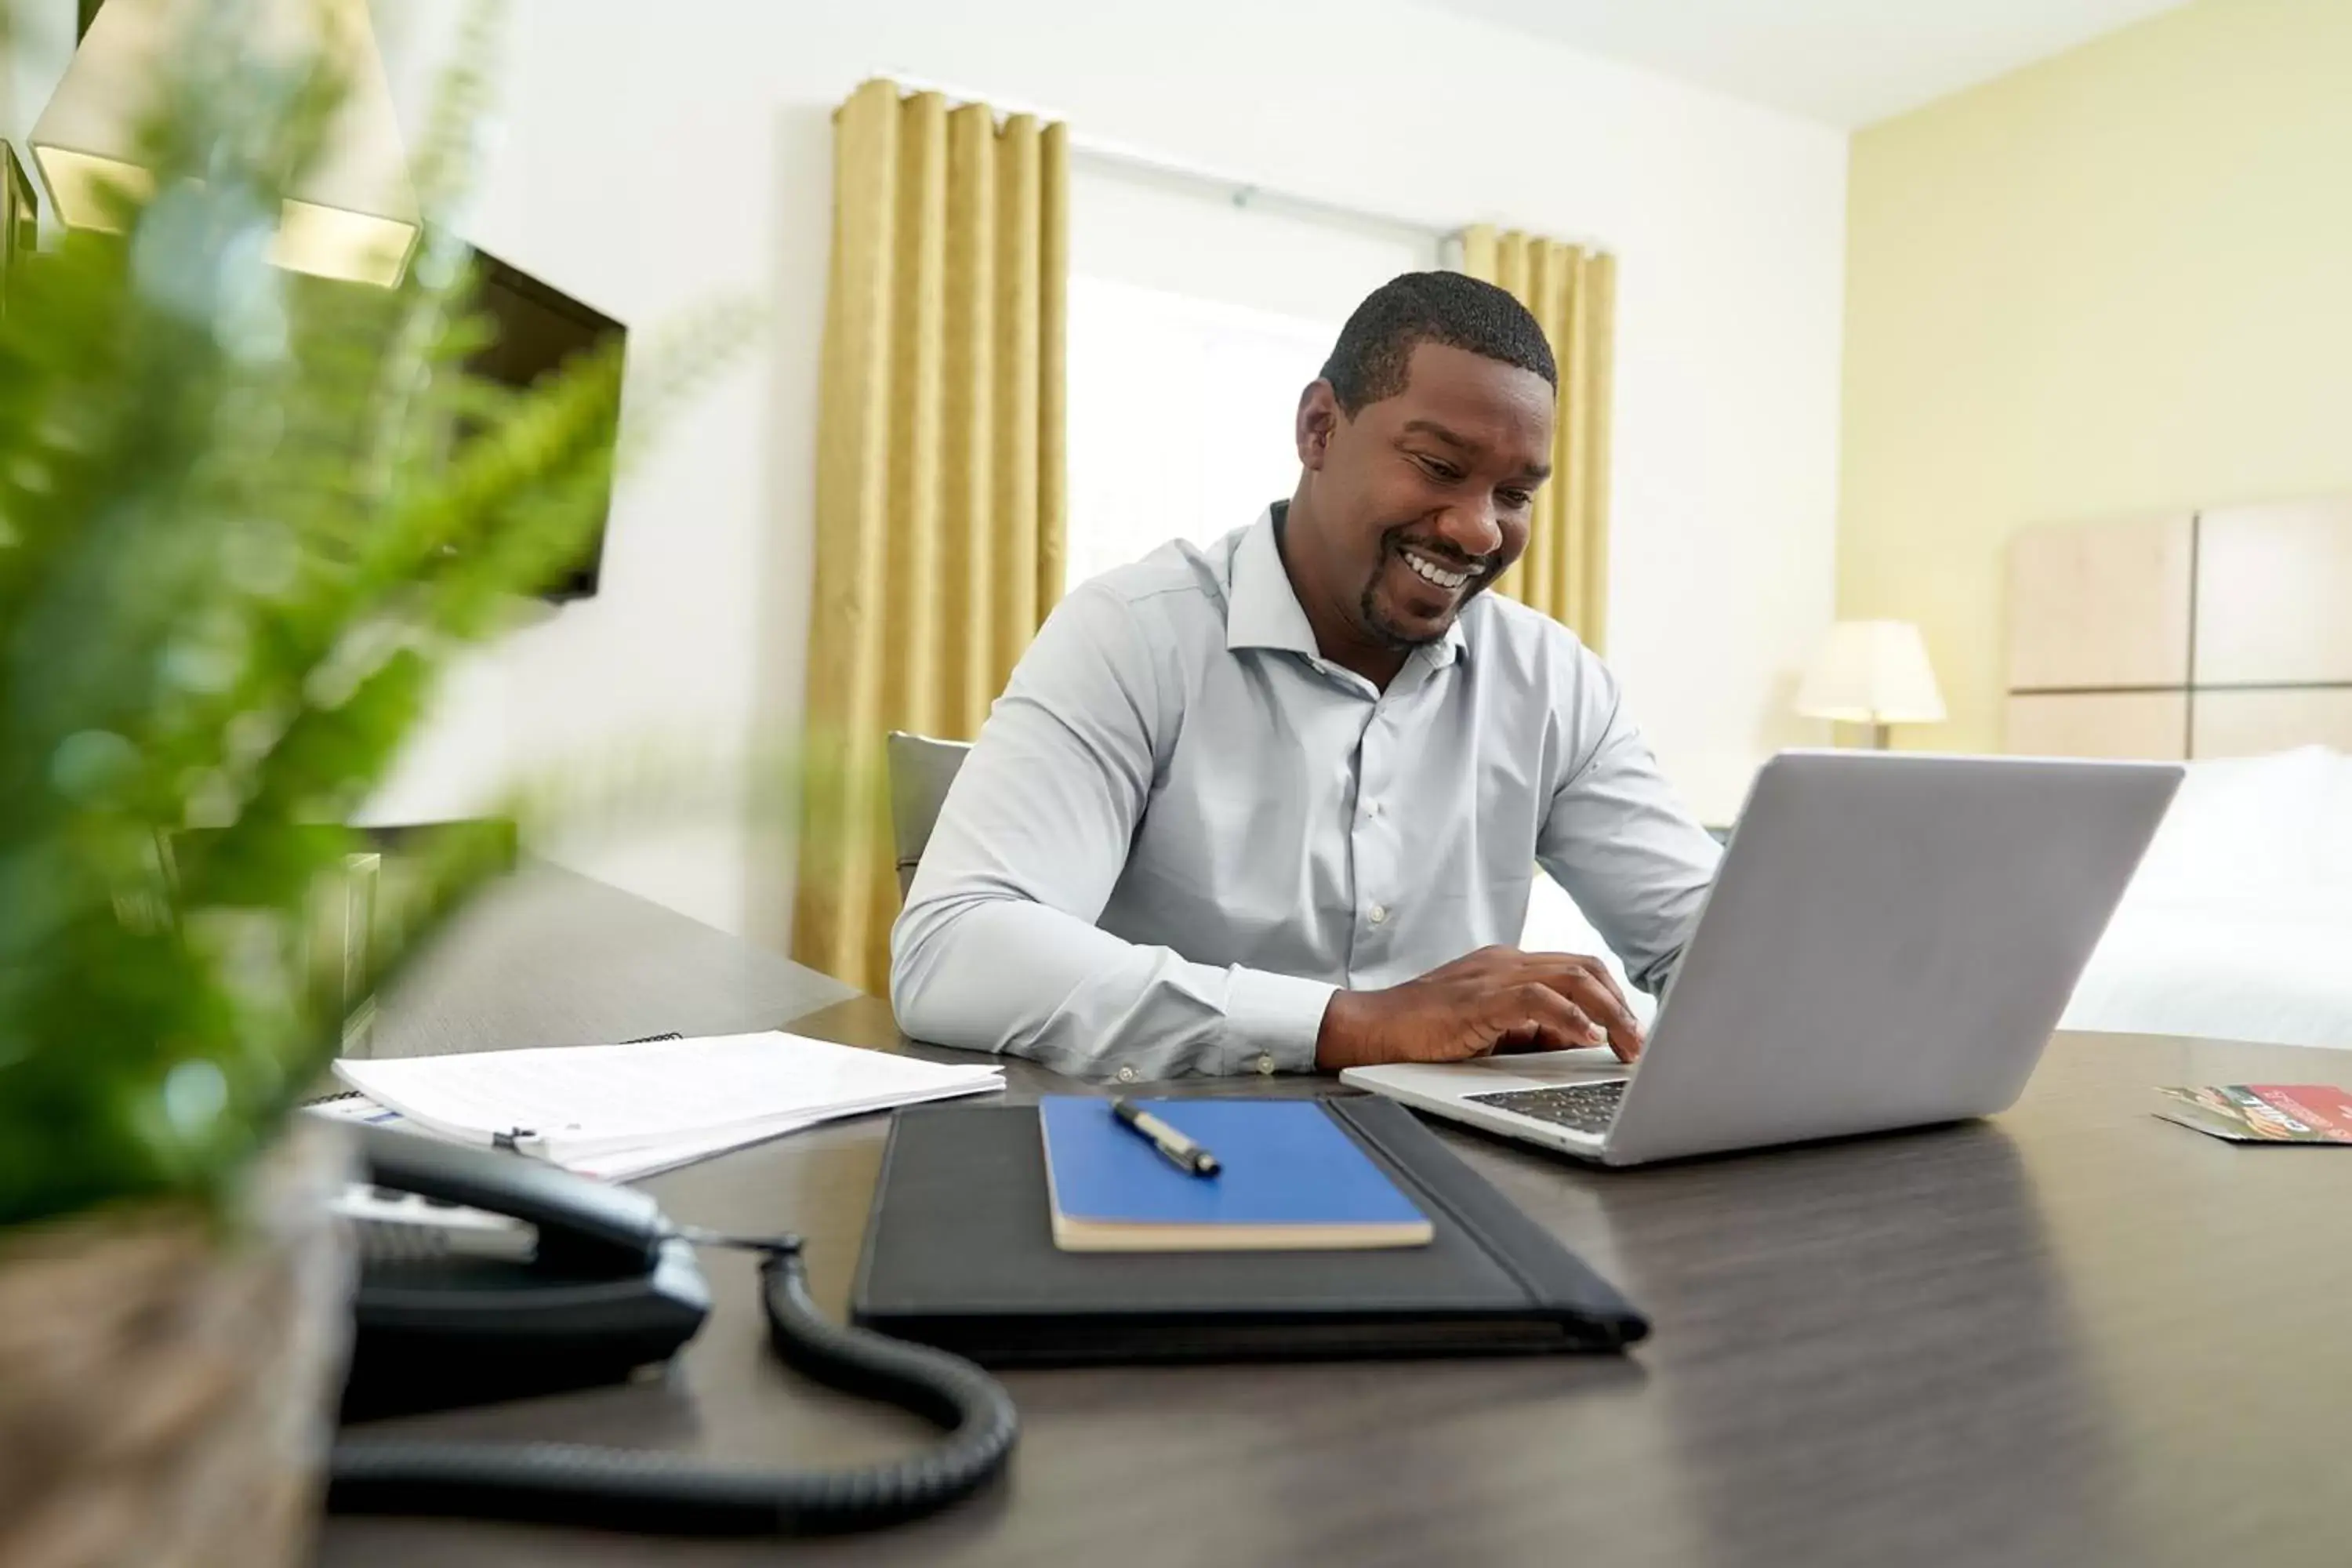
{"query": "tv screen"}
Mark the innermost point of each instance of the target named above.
(538, 328)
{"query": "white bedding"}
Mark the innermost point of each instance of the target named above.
(2238, 925)
(2278, 970)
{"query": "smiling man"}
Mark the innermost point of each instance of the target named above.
(1275, 804)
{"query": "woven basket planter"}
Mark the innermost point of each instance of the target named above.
(167, 1382)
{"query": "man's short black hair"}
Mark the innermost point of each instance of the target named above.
(1374, 353)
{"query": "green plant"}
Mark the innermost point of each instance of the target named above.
(244, 517)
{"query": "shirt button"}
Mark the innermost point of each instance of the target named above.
(1377, 809)
(1379, 913)
(1127, 1074)
(1265, 1063)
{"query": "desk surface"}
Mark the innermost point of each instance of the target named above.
(2074, 1334)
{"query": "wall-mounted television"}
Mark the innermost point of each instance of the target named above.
(538, 328)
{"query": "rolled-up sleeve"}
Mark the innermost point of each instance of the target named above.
(997, 949)
(1618, 840)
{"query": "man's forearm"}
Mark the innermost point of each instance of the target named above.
(1011, 975)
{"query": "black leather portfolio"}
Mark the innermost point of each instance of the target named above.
(959, 1253)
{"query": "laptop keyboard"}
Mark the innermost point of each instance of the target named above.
(1585, 1107)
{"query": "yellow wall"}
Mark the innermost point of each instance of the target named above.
(2117, 279)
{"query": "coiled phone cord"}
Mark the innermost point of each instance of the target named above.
(621, 1488)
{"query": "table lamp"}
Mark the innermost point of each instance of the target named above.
(351, 216)
(1874, 673)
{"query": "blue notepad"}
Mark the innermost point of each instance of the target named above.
(1291, 1180)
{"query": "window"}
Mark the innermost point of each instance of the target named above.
(1181, 417)
(1194, 323)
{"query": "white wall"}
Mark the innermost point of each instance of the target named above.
(656, 156)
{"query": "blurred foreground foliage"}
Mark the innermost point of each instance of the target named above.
(246, 516)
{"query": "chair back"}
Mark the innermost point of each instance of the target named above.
(921, 769)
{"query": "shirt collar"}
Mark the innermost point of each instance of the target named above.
(1450, 647)
(1263, 610)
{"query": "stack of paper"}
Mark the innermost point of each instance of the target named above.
(621, 1111)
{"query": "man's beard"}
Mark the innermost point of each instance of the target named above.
(1387, 633)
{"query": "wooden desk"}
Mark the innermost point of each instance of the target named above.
(2072, 1335)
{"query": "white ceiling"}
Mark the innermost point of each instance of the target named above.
(1847, 62)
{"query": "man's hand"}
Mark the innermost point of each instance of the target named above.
(1496, 999)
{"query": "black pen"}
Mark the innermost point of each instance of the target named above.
(1182, 1152)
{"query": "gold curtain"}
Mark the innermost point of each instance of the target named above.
(1572, 292)
(939, 475)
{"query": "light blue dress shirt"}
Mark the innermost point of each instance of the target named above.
(1181, 827)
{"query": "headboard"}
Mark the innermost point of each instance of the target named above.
(2219, 633)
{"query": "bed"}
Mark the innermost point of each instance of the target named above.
(2238, 925)
(2221, 638)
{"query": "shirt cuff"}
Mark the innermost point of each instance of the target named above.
(1271, 1021)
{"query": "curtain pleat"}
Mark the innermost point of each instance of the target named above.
(939, 488)
(1571, 292)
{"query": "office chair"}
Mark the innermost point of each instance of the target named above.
(921, 769)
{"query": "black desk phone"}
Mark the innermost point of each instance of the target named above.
(485, 1275)
(499, 1275)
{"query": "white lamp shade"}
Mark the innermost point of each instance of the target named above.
(1872, 672)
(352, 215)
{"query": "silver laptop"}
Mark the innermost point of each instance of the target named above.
(1889, 944)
